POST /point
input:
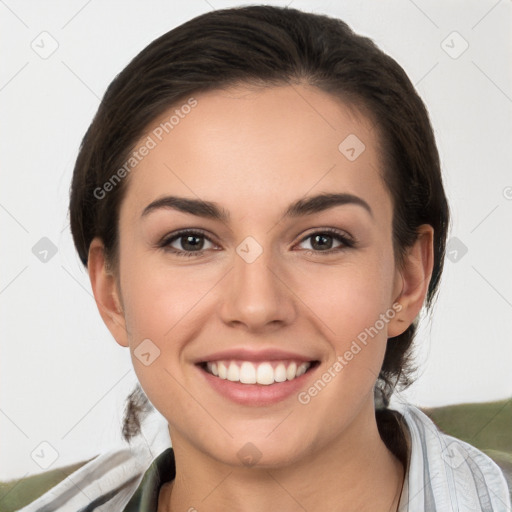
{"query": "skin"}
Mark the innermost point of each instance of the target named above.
(253, 152)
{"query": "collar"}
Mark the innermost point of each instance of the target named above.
(443, 473)
(161, 470)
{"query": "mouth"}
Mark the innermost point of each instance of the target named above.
(263, 373)
(257, 378)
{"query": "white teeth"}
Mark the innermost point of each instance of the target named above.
(247, 373)
(280, 373)
(212, 368)
(291, 371)
(264, 373)
(301, 370)
(233, 373)
(223, 371)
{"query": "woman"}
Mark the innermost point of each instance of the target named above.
(260, 207)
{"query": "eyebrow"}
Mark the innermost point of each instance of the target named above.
(211, 210)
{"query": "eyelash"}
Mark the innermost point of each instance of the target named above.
(347, 241)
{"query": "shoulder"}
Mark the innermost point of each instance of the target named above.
(19, 492)
(486, 426)
(105, 483)
(112, 476)
(444, 469)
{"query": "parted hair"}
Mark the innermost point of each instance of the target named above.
(268, 46)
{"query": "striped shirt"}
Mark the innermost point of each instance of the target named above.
(444, 474)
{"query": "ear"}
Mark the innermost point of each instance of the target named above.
(413, 279)
(106, 293)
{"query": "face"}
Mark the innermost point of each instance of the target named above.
(255, 243)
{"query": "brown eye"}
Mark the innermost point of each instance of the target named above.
(326, 241)
(322, 242)
(190, 242)
(187, 243)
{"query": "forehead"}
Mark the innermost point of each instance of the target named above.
(249, 147)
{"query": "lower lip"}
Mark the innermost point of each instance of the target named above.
(257, 394)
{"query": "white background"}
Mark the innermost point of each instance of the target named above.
(63, 378)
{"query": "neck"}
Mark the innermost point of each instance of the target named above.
(355, 472)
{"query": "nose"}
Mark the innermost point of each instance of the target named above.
(257, 295)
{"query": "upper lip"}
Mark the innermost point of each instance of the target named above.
(244, 354)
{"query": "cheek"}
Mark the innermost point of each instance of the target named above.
(349, 298)
(168, 306)
(353, 309)
(351, 304)
(157, 300)
(161, 306)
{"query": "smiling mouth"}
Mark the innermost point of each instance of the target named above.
(264, 372)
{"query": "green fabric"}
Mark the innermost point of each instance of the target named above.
(18, 493)
(487, 426)
(162, 470)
